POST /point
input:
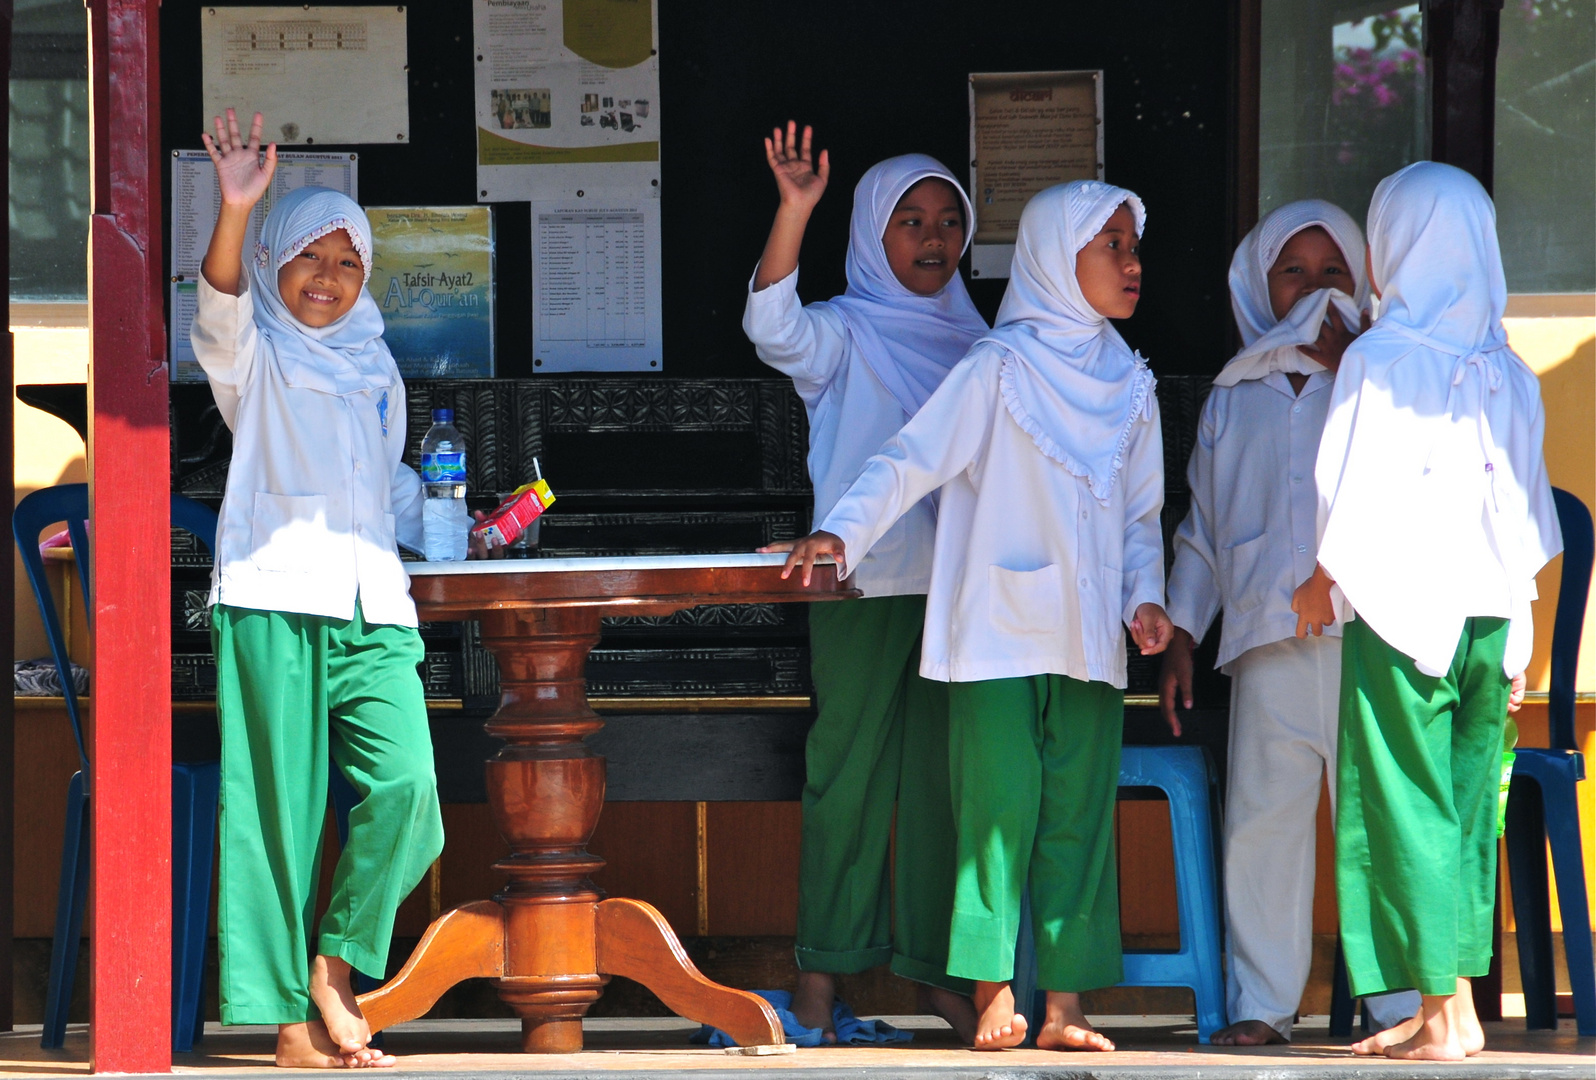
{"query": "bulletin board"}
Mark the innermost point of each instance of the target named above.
(872, 87)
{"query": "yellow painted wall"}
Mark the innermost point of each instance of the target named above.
(1562, 351)
(48, 451)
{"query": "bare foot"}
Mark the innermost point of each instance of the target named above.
(308, 1046)
(811, 1002)
(1247, 1033)
(330, 989)
(1066, 1026)
(956, 1009)
(1439, 1037)
(999, 1025)
(1471, 1034)
(1376, 1044)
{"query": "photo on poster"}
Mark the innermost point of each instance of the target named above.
(432, 278)
(567, 99)
(1028, 131)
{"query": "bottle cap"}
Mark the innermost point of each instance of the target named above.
(443, 416)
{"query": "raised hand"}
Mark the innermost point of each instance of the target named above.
(239, 170)
(1334, 337)
(797, 178)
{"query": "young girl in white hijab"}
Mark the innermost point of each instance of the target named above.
(864, 363)
(1045, 443)
(1435, 515)
(1298, 290)
(312, 622)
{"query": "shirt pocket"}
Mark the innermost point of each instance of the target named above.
(1025, 601)
(1247, 577)
(288, 533)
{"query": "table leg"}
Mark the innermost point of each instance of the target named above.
(546, 789)
(550, 937)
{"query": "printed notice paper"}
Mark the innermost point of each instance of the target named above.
(567, 98)
(1028, 131)
(596, 286)
(432, 276)
(195, 199)
(318, 74)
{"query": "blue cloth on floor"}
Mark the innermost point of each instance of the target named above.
(851, 1031)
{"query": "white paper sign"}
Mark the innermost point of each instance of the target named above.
(318, 74)
(567, 99)
(196, 197)
(596, 286)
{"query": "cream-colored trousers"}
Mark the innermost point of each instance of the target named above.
(1284, 701)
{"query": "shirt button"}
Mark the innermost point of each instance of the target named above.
(1296, 479)
(1302, 547)
(1085, 515)
(1083, 583)
(1296, 408)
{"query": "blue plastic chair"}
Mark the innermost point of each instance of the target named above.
(1542, 808)
(194, 786)
(1185, 775)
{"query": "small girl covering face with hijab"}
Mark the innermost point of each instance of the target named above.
(1435, 515)
(1045, 444)
(312, 622)
(864, 363)
(1298, 289)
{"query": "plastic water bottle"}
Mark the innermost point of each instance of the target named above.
(444, 520)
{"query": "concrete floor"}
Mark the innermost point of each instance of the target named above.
(1150, 1047)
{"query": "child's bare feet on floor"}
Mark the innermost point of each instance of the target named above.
(812, 1000)
(1247, 1033)
(1377, 1043)
(1441, 1033)
(956, 1009)
(333, 994)
(308, 1046)
(998, 1024)
(1066, 1026)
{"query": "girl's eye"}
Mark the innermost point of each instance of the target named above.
(1335, 270)
(911, 222)
(1113, 245)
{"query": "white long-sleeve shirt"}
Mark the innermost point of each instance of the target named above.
(317, 493)
(851, 414)
(1251, 536)
(1031, 574)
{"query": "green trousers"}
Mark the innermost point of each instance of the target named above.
(1419, 769)
(291, 691)
(881, 738)
(1035, 764)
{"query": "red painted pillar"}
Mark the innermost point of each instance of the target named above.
(130, 793)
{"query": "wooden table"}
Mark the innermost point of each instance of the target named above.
(550, 938)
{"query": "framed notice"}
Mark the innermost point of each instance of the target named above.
(432, 277)
(318, 74)
(1028, 131)
(596, 285)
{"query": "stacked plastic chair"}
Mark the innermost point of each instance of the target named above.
(1185, 775)
(194, 785)
(1542, 808)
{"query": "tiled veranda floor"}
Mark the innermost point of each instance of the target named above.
(1151, 1046)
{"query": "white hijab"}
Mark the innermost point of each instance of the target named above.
(1069, 379)
(346, 356)
(1270, 344)
(1431, 416)
(910, 341)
